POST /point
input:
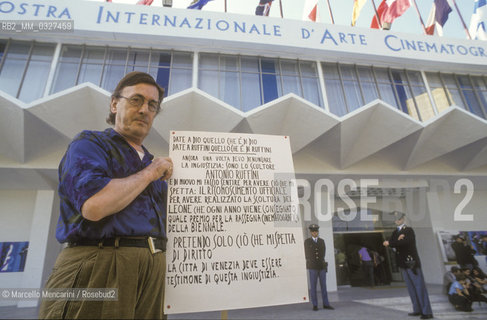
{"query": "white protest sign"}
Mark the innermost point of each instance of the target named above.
(234, 231)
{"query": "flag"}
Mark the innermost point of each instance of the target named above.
(388, 11)
(395, 9)
(478, 21)
(310, 11)
(144, 2)
(357, 7)
(263, 8)
(438, 16)
(198, 4)
(380, 11)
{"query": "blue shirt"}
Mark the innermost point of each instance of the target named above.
(94, 158)
(455, 285)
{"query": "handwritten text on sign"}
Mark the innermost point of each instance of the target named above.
(235, 236)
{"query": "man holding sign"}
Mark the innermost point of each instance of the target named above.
(233, 223)
(113, 211)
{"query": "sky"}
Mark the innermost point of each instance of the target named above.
(342, 12)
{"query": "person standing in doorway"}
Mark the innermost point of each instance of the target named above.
(367, 262)
(315, 249)
(403, 242)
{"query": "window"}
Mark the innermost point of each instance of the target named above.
(442, 97)
(104, 67)
(412, 94)
(24, 68)
(368, 84)
(480, 88)
(350, 86)
(465, 91)
(270, 74)
(421, 100)
(67, 68)
(247, 82)
(335, 89)
(181, 73)
(386, 87)
(251, 88)
(244, 82)
(472, 102)
(310, 83)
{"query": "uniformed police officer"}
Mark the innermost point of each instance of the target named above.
(403, 241)
(315, 249)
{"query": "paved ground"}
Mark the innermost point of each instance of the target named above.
(389, 302)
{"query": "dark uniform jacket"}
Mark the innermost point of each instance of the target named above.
(405, 247)
(464, 253)
(314, 253)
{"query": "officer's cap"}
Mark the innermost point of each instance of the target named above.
(313, 227)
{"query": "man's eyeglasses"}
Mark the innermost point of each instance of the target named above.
(138, 101)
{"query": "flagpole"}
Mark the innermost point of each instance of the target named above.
(331, 13)
(420, 18)
(225, 5)
(280, 6)
(377, 14)
(463, 22)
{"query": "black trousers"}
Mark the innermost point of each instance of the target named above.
(462, 302)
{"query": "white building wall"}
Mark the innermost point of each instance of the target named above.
(444, 203)
(34, 266)
(419, 217)
(16, 211)
(29, 215)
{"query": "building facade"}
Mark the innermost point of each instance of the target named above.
(378, 121)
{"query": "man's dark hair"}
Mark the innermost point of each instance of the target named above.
(131, 79)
